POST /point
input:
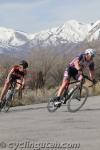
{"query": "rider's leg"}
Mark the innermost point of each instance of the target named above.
(64, 84)
(4, 90)
(79, 78)
(19, 88)
(18, 85)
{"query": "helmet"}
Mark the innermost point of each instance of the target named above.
(24, 64)
(90, 51)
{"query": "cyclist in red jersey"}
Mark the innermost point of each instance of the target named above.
(75, 70)
(17, 73)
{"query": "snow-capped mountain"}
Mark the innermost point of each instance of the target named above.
(67, 36)
(70, 32)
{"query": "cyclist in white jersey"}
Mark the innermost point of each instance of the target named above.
(75, 70)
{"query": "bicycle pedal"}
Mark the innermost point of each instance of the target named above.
(57, 104)
(63, 101)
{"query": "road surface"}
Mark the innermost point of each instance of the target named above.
(34, 128)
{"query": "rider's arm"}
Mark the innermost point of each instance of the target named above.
(91, 74)
(23, 81)
(24, 78)
(91, 71)
(77, 65)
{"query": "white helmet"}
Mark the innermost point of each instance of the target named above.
(90, 51)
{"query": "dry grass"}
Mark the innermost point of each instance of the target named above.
(31, 97)
(95, 90)
(41, 96)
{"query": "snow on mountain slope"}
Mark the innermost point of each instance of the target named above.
(15, 38)
(94, 34)
(71, 32)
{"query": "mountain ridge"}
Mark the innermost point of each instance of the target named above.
(70, 33)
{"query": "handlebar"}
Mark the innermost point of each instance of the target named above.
(19, 83)
(93, 82)
(15, 82)
(85, 77)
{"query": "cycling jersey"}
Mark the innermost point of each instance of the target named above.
(71, 70)
(17, 74)
(83, 63)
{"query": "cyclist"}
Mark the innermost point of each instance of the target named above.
(17, 73)
(75, 70)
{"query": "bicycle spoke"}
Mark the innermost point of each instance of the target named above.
(77, 99)
(51, 102)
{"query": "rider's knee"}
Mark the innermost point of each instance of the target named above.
(18, 87)
(65, 83)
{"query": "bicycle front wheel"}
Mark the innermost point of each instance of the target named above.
(77, 99)
(7, 105)
(8, 101)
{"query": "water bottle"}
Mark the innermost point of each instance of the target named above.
(70, 91)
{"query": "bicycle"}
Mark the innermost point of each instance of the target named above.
(75, 97)
(9, 97)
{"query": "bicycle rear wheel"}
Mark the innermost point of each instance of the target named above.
(77, 99)
(51, 102)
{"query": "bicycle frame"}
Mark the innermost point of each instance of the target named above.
(72, 89)
(68, 96)
(9, 96)
(13, 85)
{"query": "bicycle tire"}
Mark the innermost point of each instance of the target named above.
(51, 103)
(78, 99)
(8, 102)
(7, 105)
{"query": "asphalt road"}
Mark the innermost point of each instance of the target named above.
(32, 127)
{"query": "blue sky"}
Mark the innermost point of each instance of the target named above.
(36, 15)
